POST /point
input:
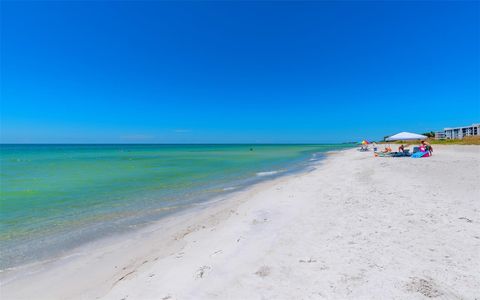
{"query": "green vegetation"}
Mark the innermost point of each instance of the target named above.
(469, 140)
(430, 134)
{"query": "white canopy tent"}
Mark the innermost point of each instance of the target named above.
(406, 136)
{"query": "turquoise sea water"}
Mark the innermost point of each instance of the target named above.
(55, 197)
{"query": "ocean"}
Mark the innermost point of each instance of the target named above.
(57, 197)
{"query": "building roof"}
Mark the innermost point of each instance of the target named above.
(460, 127)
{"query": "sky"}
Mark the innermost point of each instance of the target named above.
(235, 72)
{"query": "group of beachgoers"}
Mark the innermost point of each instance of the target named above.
(424, 150)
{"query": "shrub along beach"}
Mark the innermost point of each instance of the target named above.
(469, 140)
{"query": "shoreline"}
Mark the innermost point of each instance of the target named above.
(165, 226)
(344, 229)
(55, 241)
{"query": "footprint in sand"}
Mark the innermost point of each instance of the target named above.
(428, 288)
(263, 271)
(424, 287)
(255, 221)
(202, 271)
(310, 260)
(216, 252)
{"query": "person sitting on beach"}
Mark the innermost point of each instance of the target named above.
(427, 147)
(387, 149)
(401, 148)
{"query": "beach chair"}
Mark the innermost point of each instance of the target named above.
(363, 148)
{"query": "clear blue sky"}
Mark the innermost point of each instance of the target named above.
(179, 72)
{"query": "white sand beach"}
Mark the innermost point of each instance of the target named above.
(356, 227)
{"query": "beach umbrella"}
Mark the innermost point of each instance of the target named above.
(364, 142)
(406, 136)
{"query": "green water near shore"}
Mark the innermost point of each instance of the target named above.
(55, 197)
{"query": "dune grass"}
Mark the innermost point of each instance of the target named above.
(469, 140)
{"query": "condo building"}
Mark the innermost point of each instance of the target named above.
(458, 132)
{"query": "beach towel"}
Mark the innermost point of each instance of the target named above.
(420, 154)
(383, 154)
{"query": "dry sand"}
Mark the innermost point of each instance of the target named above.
(356, 227)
